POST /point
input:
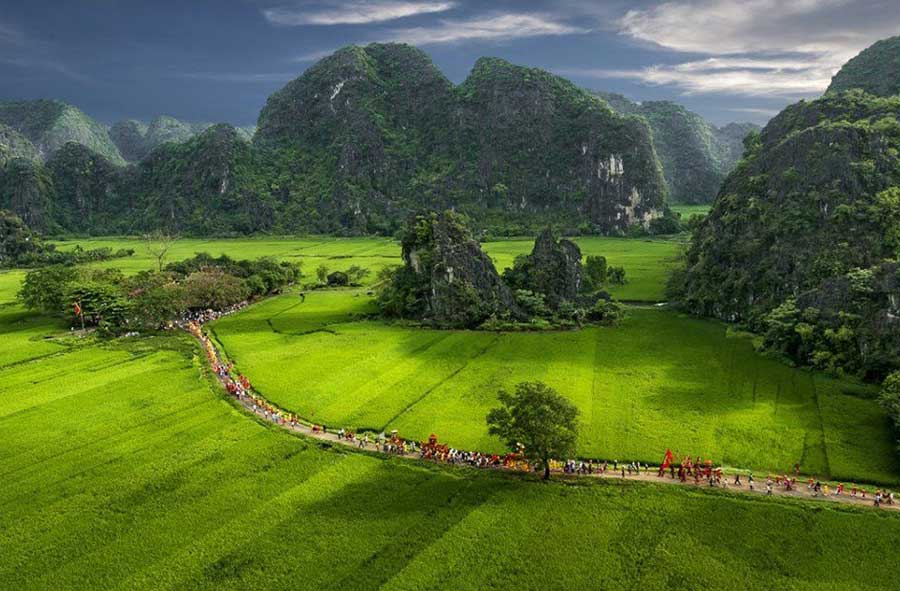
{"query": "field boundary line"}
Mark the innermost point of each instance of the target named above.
(446, 379)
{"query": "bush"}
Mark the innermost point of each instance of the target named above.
(606, 312)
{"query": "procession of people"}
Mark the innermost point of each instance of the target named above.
(690, 469)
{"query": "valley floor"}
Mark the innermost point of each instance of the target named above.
(124, 465)
(123, 468)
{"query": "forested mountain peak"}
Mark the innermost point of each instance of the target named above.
(875, 70)
(136, 139)
(384, 131)
(812, 207)
(49, 124)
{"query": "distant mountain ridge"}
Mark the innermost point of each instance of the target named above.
(696, 156)
(50, 124)
(379, 130)
(136, 139)
(361, 140)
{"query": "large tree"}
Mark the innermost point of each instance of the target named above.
(538, 418)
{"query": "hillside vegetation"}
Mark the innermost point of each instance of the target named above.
(136, 139)
(50, 124)
(695, 155)
(802, 242)
(362, 139)
(875, 70)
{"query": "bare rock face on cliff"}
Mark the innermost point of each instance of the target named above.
(447, 280)
(371, 133)
(553, 269)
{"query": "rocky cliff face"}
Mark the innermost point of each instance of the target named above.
(875, 70)
(15, 145)
(87, 190)
(453, 280)
(806, 203)
(49, 125)
(553, 269)
(129, 137)
(695, 155)
(379, 130)
(206, 185)
(26, 189)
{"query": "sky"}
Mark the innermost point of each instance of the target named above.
(218, 60)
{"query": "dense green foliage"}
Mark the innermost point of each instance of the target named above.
(875, 70)
(379, 129)
(695, 155)
(22, 247)
(49, 125)
(358, 142)
(535, 420)
(810, 214)
(151, 299)
(448, 281)
(136, 139)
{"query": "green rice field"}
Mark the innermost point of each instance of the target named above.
(688, 210)
(123, 467)
(647, 262)
(658, 381)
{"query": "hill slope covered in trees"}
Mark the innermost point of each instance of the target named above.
(362, 139)
(696, 156)
(50, 124)
(796, 242)
(875, 70)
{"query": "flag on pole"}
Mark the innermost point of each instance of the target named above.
(667, 459)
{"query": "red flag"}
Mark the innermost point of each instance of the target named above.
(667, 459)
(77, 309)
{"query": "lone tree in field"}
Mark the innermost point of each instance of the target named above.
(158, 245)
(537, 417)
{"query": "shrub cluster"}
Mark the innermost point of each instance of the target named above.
(22, 247)
(151, 299)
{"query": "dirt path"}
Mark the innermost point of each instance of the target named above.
(263, 409)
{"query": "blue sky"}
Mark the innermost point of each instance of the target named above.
(729, 60)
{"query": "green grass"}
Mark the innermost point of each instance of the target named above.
(660, 380)
(646, 262)
(123, 469)
(686, 211)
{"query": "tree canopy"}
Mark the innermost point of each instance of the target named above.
(538, 418)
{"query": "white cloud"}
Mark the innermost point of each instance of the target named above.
(784, 48)
(734, 76)
(352, 12)
(313, 56)
(495, 27)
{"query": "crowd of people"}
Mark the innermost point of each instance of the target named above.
(690, 468)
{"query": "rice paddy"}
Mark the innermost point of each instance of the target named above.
(658, 381)
(647, 262)
(123, 468)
